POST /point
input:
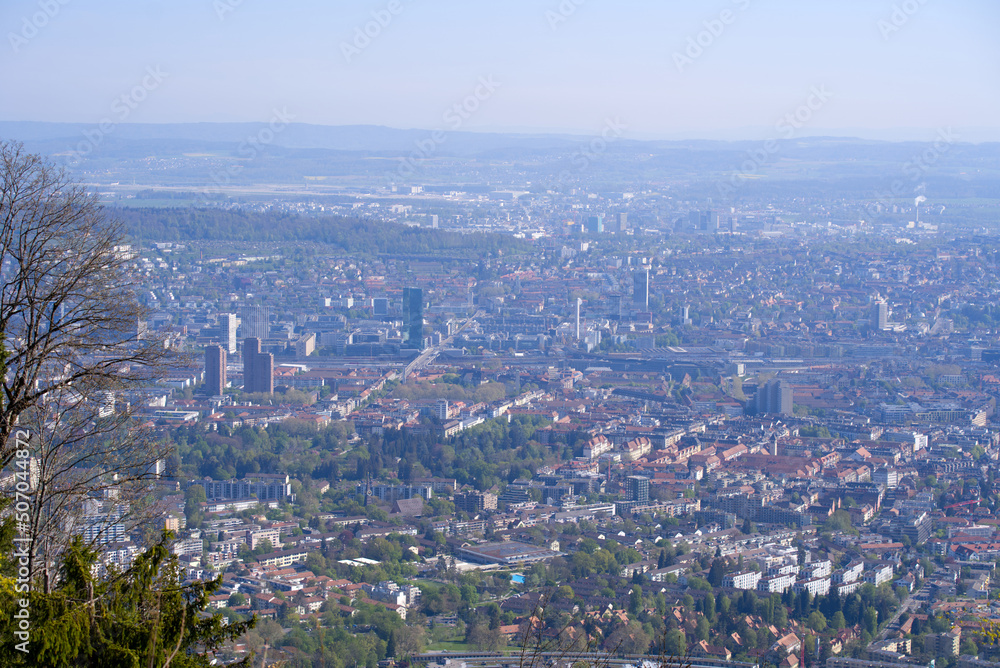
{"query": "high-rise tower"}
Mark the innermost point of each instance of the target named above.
(774, 397)
(228, 322)
(413, 318)
(880, 315)
(640, 288)
(258, 368)
(256, 322)
(215, 370)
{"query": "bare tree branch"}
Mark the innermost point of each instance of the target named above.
(69, 318)
(75, 354)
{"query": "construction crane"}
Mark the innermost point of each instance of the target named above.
(961, 503)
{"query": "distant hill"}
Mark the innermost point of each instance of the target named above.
(380, 139)
(200, 157)
(294, 135)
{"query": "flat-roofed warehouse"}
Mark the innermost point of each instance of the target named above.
(506, 553)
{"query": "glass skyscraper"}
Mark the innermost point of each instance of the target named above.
(413, 318)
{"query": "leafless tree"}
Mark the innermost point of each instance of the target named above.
(93, 471)
(69, 316)
(74, 353)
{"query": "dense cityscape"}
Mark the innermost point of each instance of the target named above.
(736, 436)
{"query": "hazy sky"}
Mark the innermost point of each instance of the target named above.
(877, 65)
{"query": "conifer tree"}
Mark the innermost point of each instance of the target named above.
(140, 617)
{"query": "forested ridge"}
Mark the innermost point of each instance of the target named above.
(354, 235)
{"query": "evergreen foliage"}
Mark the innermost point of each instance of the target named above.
(143, 616)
